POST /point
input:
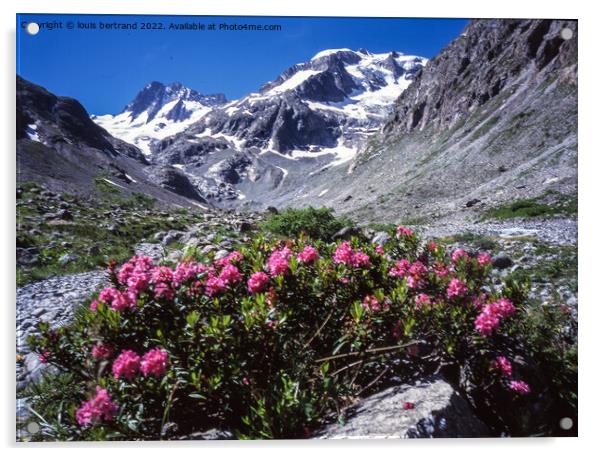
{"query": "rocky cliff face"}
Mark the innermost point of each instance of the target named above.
(58, 145)
(492, 118)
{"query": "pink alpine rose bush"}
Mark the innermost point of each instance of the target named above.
(273, 337)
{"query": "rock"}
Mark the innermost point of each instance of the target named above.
(437, 411)
(347, 198)
(94, 250)
(159, 236)
(472, 202)
(381, 238)
(171, 237)
(346, 233)
(66, 244)
(211, 434)
(221, 254)
(39, 311)
(501, 261)
(272, 210)
(68, 258)
(244, 226)
(208, 248)
(64, 214)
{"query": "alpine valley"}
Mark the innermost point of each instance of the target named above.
(369, 245)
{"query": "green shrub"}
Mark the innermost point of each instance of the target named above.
(316, 223)
(273, 356)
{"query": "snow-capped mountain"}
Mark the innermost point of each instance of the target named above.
(158, 111)
(314, 116)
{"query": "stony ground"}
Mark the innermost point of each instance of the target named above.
(542, 251)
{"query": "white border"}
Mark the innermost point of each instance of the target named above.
(589, 198)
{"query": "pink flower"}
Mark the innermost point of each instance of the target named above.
(502, 364)
(126, 365)
(98, 409)
(483, 258)
(43, 357)
(520, 387)
(415, 274)
(432, 246)
(136, 273)
(343, 254)
(230, 275)
(458, 254)
(118, 300)
(371, 303)
(487, 321)
(408, 405)
(503, 307)
(278, 262)
(101, 351)
(400, 269)
(164, 290)
(245, 381)
(422, 299)
(403, 231)
(379, 249)
(308, 255)
(214, 286)
(456, 288)
(154, 362)
(229, 259)
(162, 274)
(440, 269)
(257, 282)
(360, 260)
(94, 305)
(186, 271)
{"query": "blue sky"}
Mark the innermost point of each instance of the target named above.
(104, 69)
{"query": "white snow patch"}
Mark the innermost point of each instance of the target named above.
(131, 178)
(32, 132)
(323, 192)
(113, 183)
(294, 81)
(327, 52)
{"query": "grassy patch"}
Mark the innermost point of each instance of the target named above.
(527, 208)
(99, 230)
(318, 223)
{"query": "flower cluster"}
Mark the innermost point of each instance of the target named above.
(372, 304)
(129, 363)
(345, 254)
(126, 365)
(154, 362)
(308, 255)
(491, 315)
(278, 261)
(99, 408)
(456, 287)
(257, 282)
(502, 364)
(402, 231)
(520, 387)
(101, 351)
(459, 254)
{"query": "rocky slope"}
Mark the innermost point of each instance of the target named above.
(58, 145)
(492, 118)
